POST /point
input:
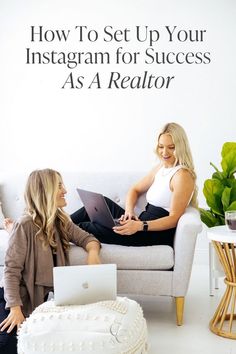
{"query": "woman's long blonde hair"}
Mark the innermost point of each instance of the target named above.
(183, 153)
(41, 204)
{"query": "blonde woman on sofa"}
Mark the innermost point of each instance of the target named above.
(170, 187)
(38, 242)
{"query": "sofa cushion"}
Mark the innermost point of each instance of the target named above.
(148, 257)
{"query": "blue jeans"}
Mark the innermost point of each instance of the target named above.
(8, 341)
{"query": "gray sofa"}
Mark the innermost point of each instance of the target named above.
(153, 270)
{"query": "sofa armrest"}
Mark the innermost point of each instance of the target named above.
(188, 227)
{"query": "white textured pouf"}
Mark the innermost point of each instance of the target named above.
(107, 327)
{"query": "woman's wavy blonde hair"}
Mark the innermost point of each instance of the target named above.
(41, 204)
(182, 152)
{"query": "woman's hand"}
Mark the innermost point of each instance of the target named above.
(15, 318)
(128, 227)
(8, 224)
(129, 215)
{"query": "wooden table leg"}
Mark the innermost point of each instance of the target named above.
(223, 322)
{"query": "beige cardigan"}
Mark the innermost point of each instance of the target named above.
(28, 265)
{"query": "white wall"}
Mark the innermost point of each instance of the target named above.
(43, 125)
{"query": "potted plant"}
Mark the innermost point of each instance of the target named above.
(220, 190)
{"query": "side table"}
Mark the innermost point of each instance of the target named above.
(223, 322)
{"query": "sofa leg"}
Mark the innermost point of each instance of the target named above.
(179, 301)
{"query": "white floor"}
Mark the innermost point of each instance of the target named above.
(194, 337)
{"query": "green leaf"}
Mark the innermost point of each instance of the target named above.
(213, 190)
(225, 199)
(222, 220)
(228, 162)
(219, 175)
(208, 218)
(232, 206)
(232, 183)
(227, 147)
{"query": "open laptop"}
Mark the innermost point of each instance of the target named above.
(97, 208)
(84, 284)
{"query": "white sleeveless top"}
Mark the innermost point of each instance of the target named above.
(159, 194)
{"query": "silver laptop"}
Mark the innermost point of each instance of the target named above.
(97, 208)
(84, 284)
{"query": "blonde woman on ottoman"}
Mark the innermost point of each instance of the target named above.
(38, 242)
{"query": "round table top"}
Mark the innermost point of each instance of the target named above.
(221, 234)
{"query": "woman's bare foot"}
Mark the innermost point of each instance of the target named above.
(8, 224)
